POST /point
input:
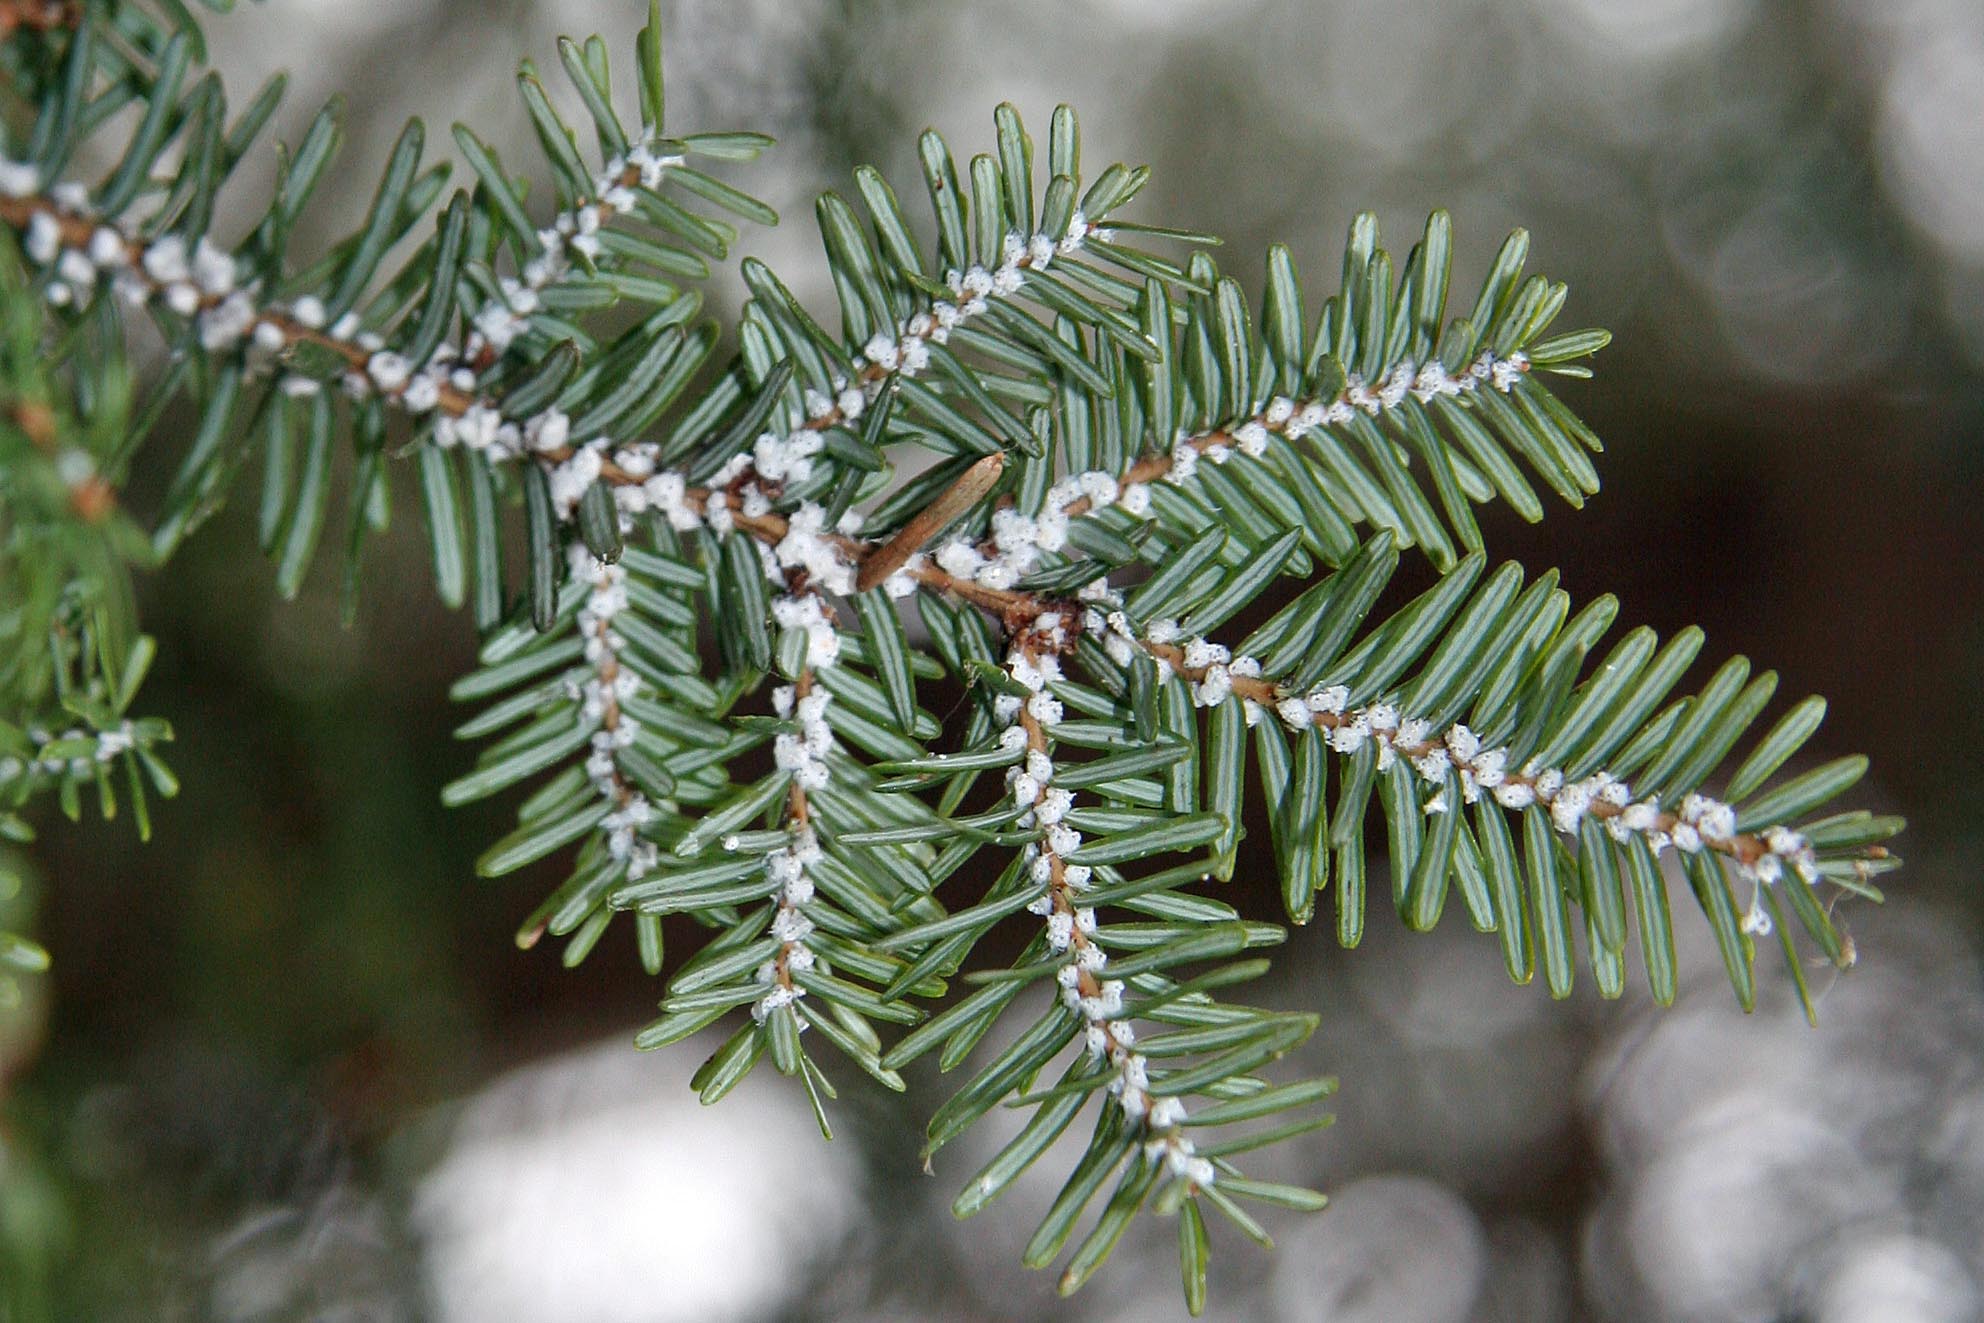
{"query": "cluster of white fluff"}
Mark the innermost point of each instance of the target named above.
(110, 743)
(576, 230)
(808, 543)
(906, 353)
(200, 281)
(118, 739)
(197, 281)
(611, 682)
(1213, 666)
(644, 486)
(498, 323)
(1700, 822)
(787, 866)
(1018, 541)
(1071, 927)
(808, 546)
(909, 351)
(778, 459)
(803, 752)
(788, 458)
(18, 179)
(806, 612)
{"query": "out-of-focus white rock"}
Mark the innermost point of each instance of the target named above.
(1895, 1278)
(595, 1188)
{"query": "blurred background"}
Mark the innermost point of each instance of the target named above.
(291, 1065)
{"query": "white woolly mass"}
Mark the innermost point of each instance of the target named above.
(506, 316)
(109, 745)
(803, 752)
(18, 179)
(1071, 929)
(806, 545)
(800, 752)
(906, 353)
(787, 868)
(199, 281)
(613, 681)
(805, 612)
(572, 479)
(1021, 541)
(1700, 823)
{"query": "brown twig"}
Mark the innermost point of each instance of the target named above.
(957, 498)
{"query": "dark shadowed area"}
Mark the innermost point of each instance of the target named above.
(291, 1064)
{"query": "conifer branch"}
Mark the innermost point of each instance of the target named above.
(1113, 458)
